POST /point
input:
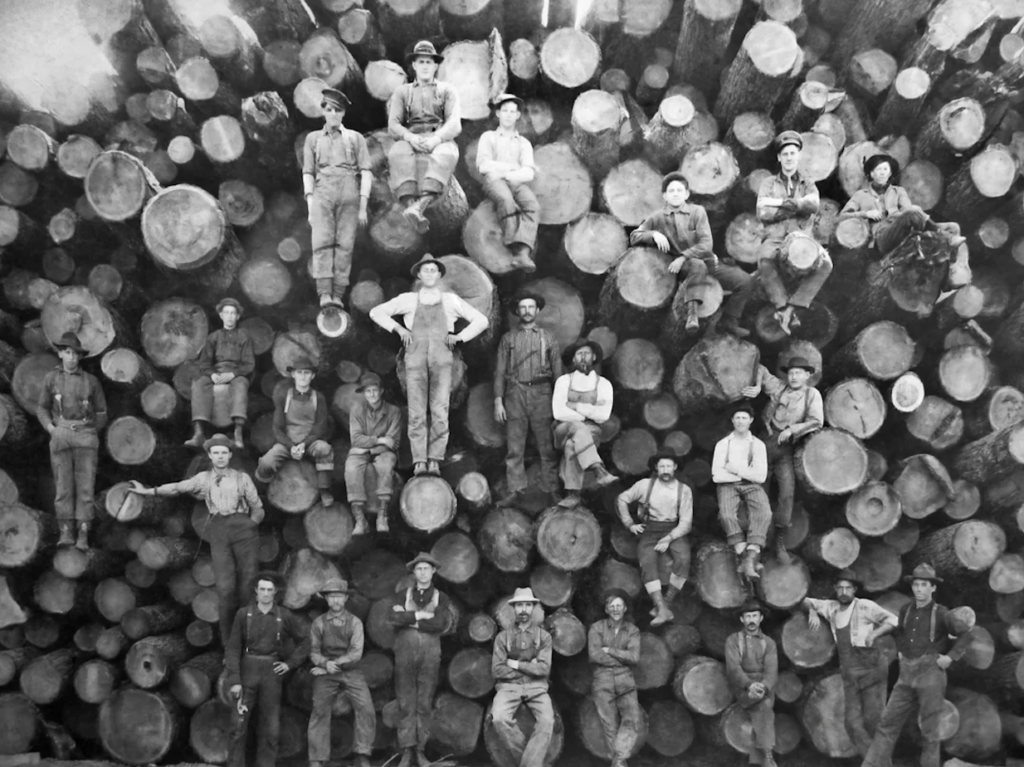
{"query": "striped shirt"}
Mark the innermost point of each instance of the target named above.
(526, 355)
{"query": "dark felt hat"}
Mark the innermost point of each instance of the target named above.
(751, 606)
(427, 259)
(422, 557)
(521, 294)
(69, 341)
(218, 440)
(674, 176)
(229, 302)
(877, 159)
(334, 586)
(424, 48)
(798, 362)
(335, 98)
(366, 380)
(667, 455)
(505, 97)
(595, 347)
(302, 362)
(620, 593)
(848, 575)
(788, 137)
(743, 407)
(267, 575)
(923, 572)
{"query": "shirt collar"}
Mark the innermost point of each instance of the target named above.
(513, 133)
(339, 129)
(304, 395)
(796, 177)
(926, 607)
(418, 84)
(757, 634)
(686, 207)
(341, 617)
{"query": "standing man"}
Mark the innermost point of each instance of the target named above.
(300, 429)
(419, 615)
(424, 118)
(521, 666)
(528, 364)
(923, 640)
(233, 527)
(752, 667)
(227, 358)
(336, 646)
(794, 410)
(429, 339)
(739, 468)
(681, 229)
(256, 660)
(614, 648)
(375, 427)
(332, 159)
(505, 160)
(73, 411)
(580, 403)
(666, 516)
(856, 624)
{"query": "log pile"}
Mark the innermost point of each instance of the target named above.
(128, 209)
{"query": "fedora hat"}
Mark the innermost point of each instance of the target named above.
(923, 572)
(523, 595)
(667, 455)
(522, 295)
(422, 557)
(366, 380)
(229, 302)
(267, 575)
(798, 362)
(218, 440)
(788, 137)
(594, 347)
(877, 159)
(334, 586)
(848, 575)
(335, 98)
(751, 606)
(427, 259)
(424, 48)
(69, 341)
(505, 97)
(302, 362)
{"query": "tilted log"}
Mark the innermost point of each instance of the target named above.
(114, 597)
(195, 680)
(992, 456)
(637, 291)
(153, 619)
(77, 309)
(95, 680)
(883, 351)
(956, 128)
(756, 78)
(703, 39)
(44, 679)
(966, 548)
(923, 485)
(595, 124)
(937, 423)
(714, 371)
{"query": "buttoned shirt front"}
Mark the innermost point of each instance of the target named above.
(530, 645)
(226, 492)
(746, 451)
(751, 657)
(623, 645)
(227, 351)
(334, 151)
(73, 396)
(504, 146)
(433, 105)
(686, 228)
(526, 355)
(802, 411)
(255, 632)
(914, 633)
(669, 502)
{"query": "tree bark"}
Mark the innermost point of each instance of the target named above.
(563, 185)
(44, 679)
(755, 80)
(26, 533)
(631, 192)
(806, 648)
(195, 680)
(637, 292)
(704, 35)
(714, 371)
(506, 539)
(701, 684)
(595, 126)
(96, 680)
(570, 59)
(718, 583)
(838, 548)
(961, 550)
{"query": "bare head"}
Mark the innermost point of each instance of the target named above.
(881, 173)
(266, 590)
(845, 591)
(429, 275)
(741, 421)
(220, 456)
(423, 572)
(508, 115)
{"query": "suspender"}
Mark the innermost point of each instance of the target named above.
(291, 391)
(248, 626)
(645, 507)
(410, 604)
(932, 621)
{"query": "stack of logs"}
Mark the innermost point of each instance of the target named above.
(128, 211)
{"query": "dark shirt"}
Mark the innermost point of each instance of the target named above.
(531, 647)
(301, 419)
(527, 355)
(435, 106)
(227, 351)
(623, 645)
(73, 396)
(783, 187)
(337, 638)
(366, 425)
(913, 633)
(686, 227)
(259, 636)
(406, 618)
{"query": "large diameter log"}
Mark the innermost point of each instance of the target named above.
(874, 509)
(459, 557)
(328, 528)
(138, 726)
(569, 59)
(670, 728)
(563, 185)
(632, 191)
(714, 372)
(856, 406)
(957, 127)
(703, 41)
(711, 172)
(964, 549)
(831, 462)
(58, 595)
(506, 539)
(305, 571)
(883, 351)
(923, 485)
(637, 292)
(757, 76)
(478, 71)
(455, 725)
(784, 585)
(151, 661)
(118, 185)
(427, 503)
(77, 309)
(568, 634)
(209, 732)
(701, 685)
(21, 722)
(821, 713)
(992, 456)
(24, 534)
(469, 672)
(718, 583)
(806, 648)
(13, 661)
(504, 756)
(173, 331)
(979, 736)
(591, 731)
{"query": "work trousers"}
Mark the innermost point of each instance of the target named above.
(528, 408)
(261, 690)
(578, 442)
(518, 211)
(614, 691)
(865, 674)
(319, 452)
(780, 462)
(234, 545)
(769, 276)
(507, 699)
(356, 464)
(415, 173)
(325, 689)
(417, 662)
(759, 512)
(428, 384)
(73, 457)
(891, 231)
(762, 722)
(677, 556)
(922, 682)
(202, 398)
(334, 219)
(731, 277)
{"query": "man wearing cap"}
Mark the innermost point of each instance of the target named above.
(332, 160)
(256, 658)
(429, 338)
(666, 517)
(739, 468)
(375, 428)
(336, 646)
(300, 429)
(856, 625)
(794, 410)
(614, 648)
(752, 667)
(528, 364)
(923, 635)
(227, 358)
(505, 160)
(232, 528)
(521, 666)
(681, 229)
(73, 411)
(424, 118)
(419, 615)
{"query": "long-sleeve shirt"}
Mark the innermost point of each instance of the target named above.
(782, 187)
(599, 412)
(72, 396)
(498, 150)
(366, 425)
(260, 635)
(623, 645)
(404, 306)
(802, 411)
(526, 355)
(531, 647)
(913, 632)
(227, 351)
(746, 452)
(334, 151)
(336, 637)
(303, 424)
(863, 616)
(421, 108)
(892, 201)
(686, 227)
(225, 492)
(420, 602)
(670, 502)
(751, 658)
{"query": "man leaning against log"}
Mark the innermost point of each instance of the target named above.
(752, 667)
(375, 428)
(613, 645)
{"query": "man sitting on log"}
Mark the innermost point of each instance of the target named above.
(300, 429)
(227, 358)
(505, 160)
(580, 403)
(424, 116)
(856, 624)
(794, 410)
(419, 615)
(752, 666)
(429, 338)
(521, 666)
(375, 428)
(332, 159)
(233, 526)
(336, 646)
(666, 517)
(681, 229)
(255, 662)
(893, 217)
(528, 363)
(73, 411)
(614, 648)
(739, 468)
(923, 640)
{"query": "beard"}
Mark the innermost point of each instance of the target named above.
(844, 599)
(584, 367)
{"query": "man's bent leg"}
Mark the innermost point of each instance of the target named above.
(319, 731)
(503, 716)
(539, 703)
(901, 703)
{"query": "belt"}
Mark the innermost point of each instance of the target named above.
(534, 382)
(260, 657)
(932, 656)
(79, 425)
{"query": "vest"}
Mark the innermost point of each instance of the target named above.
(769, 411)
(411, 606)
(294, 429)
(587, 397)
(645, 505)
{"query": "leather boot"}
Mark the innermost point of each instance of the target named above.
(66, 537)
(421, 758)
(359, 515)
(664, 614)
(414, 213)
(521, 258)
(780, 549)
(692, 321)
(198, 437)
(748, 565)
(604, 477)
(769, 759)
(671, 593)
(326, 498)
(82, 543)
(382, 515)
(406, 758)
(419, 468)
(512, 500)
(239, 443)
(433, 467)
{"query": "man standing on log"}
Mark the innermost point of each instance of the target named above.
(332, 159)
(336, 646)
(856, 624)
(666, 517)
(521, 665)
(300, 429)
(925, 651)
(375, 428)
(505, 160)
(424, 116)
(528, 363)
(794, 410)
(73, 411)
(227, 358)
(429, 339)
(614, 648)
(739, 468)
(255, 661)
(233, 526)
(681, 229)
(419, 615)
(580, 403)
(752, 666)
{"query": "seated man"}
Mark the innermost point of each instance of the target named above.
(752, 667)
(375, 428)
(614, 649)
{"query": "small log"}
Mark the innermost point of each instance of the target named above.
(937, 423)
(632, 450)
(988, 176)
(151, 661)
(17, 187)
(473, 491)
(998, 408)
(76, 154)
(563, 185)
(26, 534)
(167, 553)
(45, 678)
(58, 595)
(1006, 574)
(42, 631)
(874, 509)
(784, 586)
(118, 185)
(153, 619)
(711, 171)
(955, 129)
(479, 627)
(820, 711)
(804, 647)
(77, 309)
(199, 82)
(757, 76)
(856, 406)
(838, 548)
(965, 502)
(965, 373)
(126, 370)
(960, 550)
(123, 739)
(749, 137)
(14, 660)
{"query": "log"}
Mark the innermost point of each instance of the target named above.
(26, 533)
(59, 595)
(820, 456)
(209, 731)
(784, 586)
(77, 309)
(631, 192)
(456, 723)
(118, 185)
(923, 485)
(96, 680)
(718, 582)
(980, 733)
(45, 678)
(965, 502)
(570, 59)
(21, 723)
(469, 672)
(13, 661)
(757, 76)
(568, 538)
(113, 597)
(595, 129)
(562, 184)
(976, 184)
(427, 503)
(704, 33)
(17, 187)
(111, 643)
(838, 548)
(874, 509)
(955, 129)
(805, 648)
(591, 731)
(670, 133)
(963, 549)
(701, 685)
(153, 619)
(121, 732)
(568, 634)
(992, 456)
(152, 660)
(195, 680)
(856, 406)
(883, 351)
(713, 372)
(637, 292)
(670, 728)
(173, 331)
(937, 423)
(965, 373)
(505, 538)
(1006, 574)
(820, 709)
(711, 171)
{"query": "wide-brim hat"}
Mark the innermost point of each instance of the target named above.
(751, 606)
(301, 363)
(366, 380)
(848, 575)
(336, 97)
(218, 440)
(334, 586)
(594, 347)
(506, 97)
(923, 572)
(523, 595)
(69, 341)
(229, 302)
(521, 295)
(267, 575)
(877, 159)
(669, 455)
(423, 48)
(422, 557)
(427, 259)
(798, 362)
(787, 138)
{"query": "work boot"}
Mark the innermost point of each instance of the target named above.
(604, 477)
(82, 544)
(419, 468)
(239, 442)
(732, 325)
(433, 467)
(382, 519)
(784, 318)
(359, 515)
(769, 759)
(959, 273)
(619, 761)
(421, 758)
(571, 499)
(337, 299)
(521, 258)
(671, 593)
(198, 437)
(406, 758)
(414, 214)
(326, 499)
(66, 538)
(316, 764)
(780, 550)
(326, 299)
(361, 760)
(664, 614)
(748, 565)
(692, 321)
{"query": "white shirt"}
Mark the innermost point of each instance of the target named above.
(598, 412)
(405, 304)
(738, 449)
